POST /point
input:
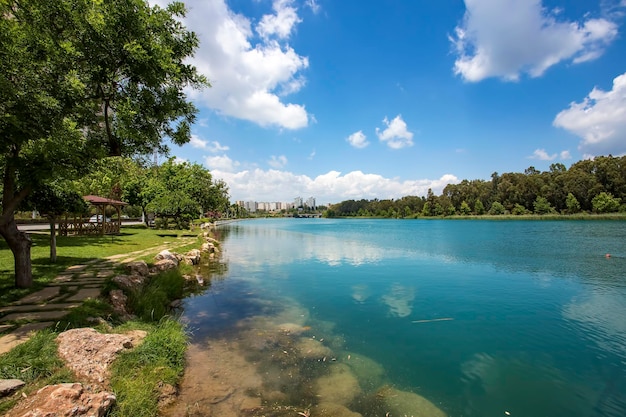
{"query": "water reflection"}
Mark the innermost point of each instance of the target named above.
(399, 299)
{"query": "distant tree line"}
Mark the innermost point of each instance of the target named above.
(596, 185)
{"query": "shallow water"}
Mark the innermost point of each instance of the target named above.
(477, 318)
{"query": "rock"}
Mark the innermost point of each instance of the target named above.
(167, 394)
(250, 404)
(400, 403)
(325, 409)
(193, 256)
(313, 349)
(70, 399)
(138, 268)
(176, 303)
(165, 264)
(118, 302)
(130, 282)
(165, 254)
(369, 373)
(89, 353)
(207, 247)
(8, 386)
(292, 328)
(339, 387)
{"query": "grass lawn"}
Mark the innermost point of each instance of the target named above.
(73, 250)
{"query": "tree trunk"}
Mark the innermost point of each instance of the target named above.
(19, 243)
(53, 239)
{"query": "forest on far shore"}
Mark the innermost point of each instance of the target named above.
(589, 186)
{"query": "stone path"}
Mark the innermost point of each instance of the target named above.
(68, 290)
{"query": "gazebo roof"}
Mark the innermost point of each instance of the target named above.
(102, 201)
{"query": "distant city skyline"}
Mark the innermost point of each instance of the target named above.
(253, 205)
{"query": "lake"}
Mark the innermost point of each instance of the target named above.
(422, 317)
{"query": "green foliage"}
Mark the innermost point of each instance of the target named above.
(465, 208)
(152, 302)
(573, 206)
(136, 375)
(497, 208)
(479, 208)
(605, 203)
(542, 206)
(519, 210)
(33, 359)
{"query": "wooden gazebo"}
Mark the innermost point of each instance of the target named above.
(98, 224)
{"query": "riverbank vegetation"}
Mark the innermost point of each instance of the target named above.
(594, 186)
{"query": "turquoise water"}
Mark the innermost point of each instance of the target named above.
(481, 318)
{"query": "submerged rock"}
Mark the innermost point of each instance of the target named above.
(339, 387)
(399, 403)
(369, 372)
(313, 349)
(333, 410)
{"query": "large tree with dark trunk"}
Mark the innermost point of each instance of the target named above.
(81, 80)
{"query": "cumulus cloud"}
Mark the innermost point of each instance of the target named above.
(396, 134)
(220, 163)
(599, 120)
(213, 147)
(506, 38)
(542, 155)
(249, 74)
(277, 161)
(331, 187)
(358, 140)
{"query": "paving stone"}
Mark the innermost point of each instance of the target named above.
(40, 296)
(87, 274)
(92, 281)
(76, 268)
(105, 273)
(99, 286)
(4, 327)
(38, 307)
(35, 315)
(63, 278)
(84, 294)
(20, 335)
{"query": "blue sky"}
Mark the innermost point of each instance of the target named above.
(342, 99)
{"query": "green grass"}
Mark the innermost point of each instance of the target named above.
(137, 374)
(152, 302)
(73, 250)
(35, 362)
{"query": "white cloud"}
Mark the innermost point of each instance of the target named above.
(196, 142)
(315, 7)
(220, 163)
(542, 155)
(566, 155)
(247, 77)
(331, 187)
(311, 155)
(396, 134)
(215, 147)
(600, 120)
(281, 23)
(505, 38)
(358, 140)
(277, 161)
(212, 147)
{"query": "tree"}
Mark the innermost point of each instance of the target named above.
(542, 206)
(479, 208)
(82, 79)
(573, 206)
(605, 203)
(465, 208)
(53, 201)
(496, 208)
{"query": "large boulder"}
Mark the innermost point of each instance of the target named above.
(399, 403)
(89, 353)
(338, 387)
(118, 302)
(8, 386)
(193, 257)
(72, 399)
(130, 282)
(165, 265)
(166, 254)
(138, 268)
